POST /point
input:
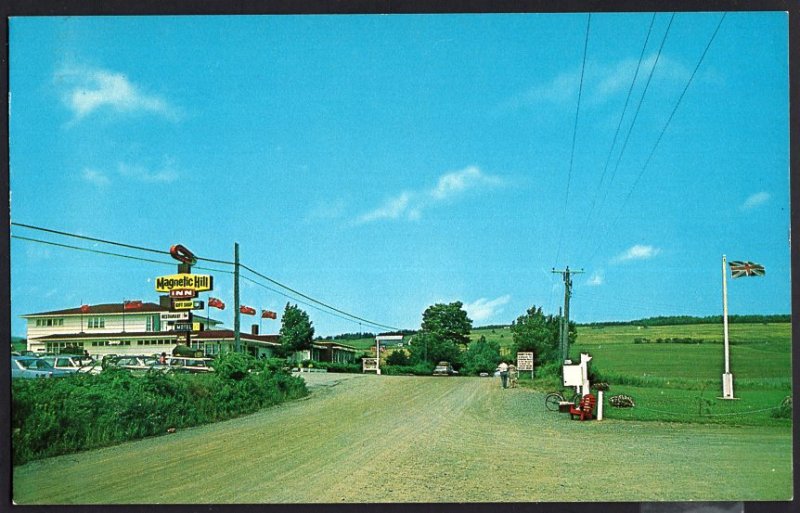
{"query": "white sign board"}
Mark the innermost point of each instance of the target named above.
(174, 316)
(370, 364)
(525, 361)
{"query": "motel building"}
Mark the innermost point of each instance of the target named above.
(138, 328)
(135, 328)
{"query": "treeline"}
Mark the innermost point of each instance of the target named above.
(367, 334)
(675, 320)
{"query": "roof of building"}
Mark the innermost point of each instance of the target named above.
(117, 308)
(197, 335)
(107, 308)
(334, 345)
(228, 334)
(125, 334)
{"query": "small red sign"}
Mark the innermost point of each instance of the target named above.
(182, 293)
(180, 253)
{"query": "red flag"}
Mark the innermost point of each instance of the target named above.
(267, 314)
(132, 305)
(85, 308)
(247, 310)
(216, 303)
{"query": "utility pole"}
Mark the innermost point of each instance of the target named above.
(236, 319)
(565, 320)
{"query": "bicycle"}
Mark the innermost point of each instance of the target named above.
(553, 400)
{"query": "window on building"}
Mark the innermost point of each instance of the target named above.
(149, 325)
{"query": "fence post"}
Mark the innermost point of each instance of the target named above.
(599, 405)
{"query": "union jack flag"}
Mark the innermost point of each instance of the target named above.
(247, 310)
(216, 303)
(268, 314)
(739, 269)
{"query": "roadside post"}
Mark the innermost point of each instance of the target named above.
(182, 289)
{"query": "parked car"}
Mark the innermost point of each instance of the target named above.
(444, 369)
(134, 363)
(65, 362)
(192, 365)
(34, 367)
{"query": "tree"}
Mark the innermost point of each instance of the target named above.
(397, 357)
(430, 347)
(449, 322)
(297, 332)
(482, 356)
(539, 333)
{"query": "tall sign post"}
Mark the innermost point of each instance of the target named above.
(739, 269)
(236, 319)
(182, 287)
(727, 377)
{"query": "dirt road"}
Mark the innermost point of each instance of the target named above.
(415, 439)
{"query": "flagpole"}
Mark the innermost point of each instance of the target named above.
(727, 377)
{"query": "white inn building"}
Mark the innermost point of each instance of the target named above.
(144, 329)
(149, 328)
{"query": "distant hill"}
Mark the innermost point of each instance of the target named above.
(673, 320)
(677, 320)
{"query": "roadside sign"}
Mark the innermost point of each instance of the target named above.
(183, 305)
(183, 326)
(182, 293)
(525, 362)
(174, 316)
(195, 282)
(198, 305)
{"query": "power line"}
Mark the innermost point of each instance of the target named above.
(349, 316)
(574, 136)
(666, 125)
(318, 301)
(636, 114)
(308, 304)
(108, 253)
(619, 126)
(113, 243)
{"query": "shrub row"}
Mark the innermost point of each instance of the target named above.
(685, 340)
(85, 411)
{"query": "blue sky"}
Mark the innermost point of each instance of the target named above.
(385, 163)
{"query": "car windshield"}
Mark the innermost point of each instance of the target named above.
(35, 364)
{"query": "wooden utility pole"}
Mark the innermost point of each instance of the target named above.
(236, 319)
(565, 320)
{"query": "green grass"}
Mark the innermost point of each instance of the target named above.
(680, 382)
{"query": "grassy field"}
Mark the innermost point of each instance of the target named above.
(359, 439)
(674, 382)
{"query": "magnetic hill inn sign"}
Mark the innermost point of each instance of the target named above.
(183, 287)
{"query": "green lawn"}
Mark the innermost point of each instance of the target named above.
(681, 382)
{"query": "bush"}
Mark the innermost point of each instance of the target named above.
(338, 367)
(621, 401)
(398, 357)
(85, 411)
(420, 369)
(784, 411)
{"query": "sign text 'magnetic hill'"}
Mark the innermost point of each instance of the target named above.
(196, 282)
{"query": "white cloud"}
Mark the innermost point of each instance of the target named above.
(457, 182)
(637, 252)
(88, 90)
(600, 82)
(483, 309)
(410, 204)
(142, 174)
(95, 177)
(596, 279)
(755, 200)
